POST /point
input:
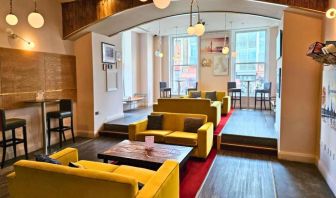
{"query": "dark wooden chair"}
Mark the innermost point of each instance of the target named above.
(193, 89)
(65, 111)
(265, 96)
(233, 91)
(11, 125)
(165, 91)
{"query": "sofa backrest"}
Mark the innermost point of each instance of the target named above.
(175, 121)
(219, 94)
(38, 179)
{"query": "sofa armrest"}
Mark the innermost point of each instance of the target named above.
(165, 182)
(136, 127)
(205, 139)
(66, 155)
(226, 105)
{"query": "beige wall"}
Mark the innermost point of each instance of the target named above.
(46, 39)
(97, 105)
(301, 77)
(327, 143)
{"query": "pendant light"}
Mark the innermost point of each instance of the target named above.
(162, 4)
(11, 19)
(35, 19)
(331, 13)
(176, 56)
(199, 28)
(158, 52)
(226, 48)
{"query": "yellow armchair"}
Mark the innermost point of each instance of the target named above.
(97, 180)
(135, 128)
(205, 140)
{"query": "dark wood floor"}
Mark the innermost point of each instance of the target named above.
(254, 123)
(233, 174)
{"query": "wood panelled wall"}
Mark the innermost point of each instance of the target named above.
(80, 13)
(23, 73)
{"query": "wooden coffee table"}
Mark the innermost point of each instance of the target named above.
(133, 153)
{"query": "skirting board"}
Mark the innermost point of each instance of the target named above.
(85, 133)
(331, 181)
(297, 157)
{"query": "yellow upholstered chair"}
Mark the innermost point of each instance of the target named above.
(95, 180)
(173, 132)
(221, 97)
(190, 106)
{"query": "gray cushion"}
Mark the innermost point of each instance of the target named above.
(211, 95)
(192, 124)
(155, 122)
(195, 94)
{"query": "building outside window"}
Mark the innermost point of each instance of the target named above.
(184, 64)
(250, 59)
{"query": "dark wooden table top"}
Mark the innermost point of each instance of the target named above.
(135, 150)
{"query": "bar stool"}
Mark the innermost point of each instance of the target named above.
(10, 125)
(263, 92)
(165, 90)
(193, 89)
(233, 90)
(65, 111)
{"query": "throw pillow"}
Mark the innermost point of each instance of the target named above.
(155, 122)
(195, 94)
(192, 124)
(76, 165)
(47, 159)
(211, 95)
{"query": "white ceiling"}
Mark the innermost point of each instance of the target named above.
(213, 22)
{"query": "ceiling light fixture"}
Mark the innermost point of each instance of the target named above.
(226, 49)
(35, 19)
(162, 4)
(331, 13)
(158, 52)
(12, 35)
(199, 28)
(11, 18)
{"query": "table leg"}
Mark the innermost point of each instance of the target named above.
(44, 132)
(248, 94)
(105, 160)
(179, 88)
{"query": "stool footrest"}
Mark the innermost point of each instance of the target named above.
(10, 142)
(57, 129)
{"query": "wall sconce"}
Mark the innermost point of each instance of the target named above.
(12, 35)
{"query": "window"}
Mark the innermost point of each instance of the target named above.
(184, 63)
(250, 60)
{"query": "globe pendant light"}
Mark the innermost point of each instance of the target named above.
(11, 19)
(158, 52)
(162, 4)
(226, 49)
(35, 19)
(331, 13)
(199, 28)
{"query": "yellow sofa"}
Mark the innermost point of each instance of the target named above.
(96, 180)
(221, 96)
(192, 106)
(172, 133)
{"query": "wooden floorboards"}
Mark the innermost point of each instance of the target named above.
(233, 174)
(241, 175)
(254, 123)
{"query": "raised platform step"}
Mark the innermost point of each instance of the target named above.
(116, 127)
(116, 134)
(249, 144)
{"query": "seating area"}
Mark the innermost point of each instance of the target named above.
(168, 99)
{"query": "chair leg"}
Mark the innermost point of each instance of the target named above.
(60, 125)
(14, 142)
(255, 100)
(24, 129)
(3, 155)
(49, 132)
(63, 134)
(240, 100)
(72, 130)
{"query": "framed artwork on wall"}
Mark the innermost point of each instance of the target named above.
(279, 45)
(221, 65)
(108, 53)
(111, 80)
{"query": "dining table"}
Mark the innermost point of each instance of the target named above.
(42, 104)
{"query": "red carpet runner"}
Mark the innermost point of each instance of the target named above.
(197, 170)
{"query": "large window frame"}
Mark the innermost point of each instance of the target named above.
(171, 66)
(234, 62)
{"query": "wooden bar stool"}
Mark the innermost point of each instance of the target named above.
(165, 91)
(10, 125)
(233, 90)
(265, 96)
(65, 111)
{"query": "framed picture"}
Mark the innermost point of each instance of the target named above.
(279, 45)
(108, 53)
(221, 65)
(111, 80)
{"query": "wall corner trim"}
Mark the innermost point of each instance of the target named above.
(330, 180)
(297, 157)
